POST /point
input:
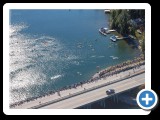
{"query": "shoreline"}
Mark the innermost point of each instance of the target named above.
(110, 73)
(140, 37)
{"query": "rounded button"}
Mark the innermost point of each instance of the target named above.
(147, 99)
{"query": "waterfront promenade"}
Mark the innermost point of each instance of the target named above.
(109, 75)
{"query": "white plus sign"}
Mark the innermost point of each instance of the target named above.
(147, 99)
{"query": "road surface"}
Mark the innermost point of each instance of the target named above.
(97, 94)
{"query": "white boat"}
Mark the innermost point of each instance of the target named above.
(113, 38)
(107, 11)
(104, 31)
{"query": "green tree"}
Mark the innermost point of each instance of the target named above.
(120, 20)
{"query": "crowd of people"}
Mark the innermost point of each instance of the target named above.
(131, 64)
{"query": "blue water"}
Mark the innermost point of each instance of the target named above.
(53, 48)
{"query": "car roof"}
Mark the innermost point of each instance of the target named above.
(110, 89)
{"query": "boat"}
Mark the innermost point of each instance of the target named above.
(107, 11)
(113, 38)
(104, 31)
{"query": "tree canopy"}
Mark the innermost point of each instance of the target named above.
(120, 19)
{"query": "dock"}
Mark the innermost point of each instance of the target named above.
(120, 38)
(115, 38)
(112, 30)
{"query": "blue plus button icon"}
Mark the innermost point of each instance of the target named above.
(147, 99)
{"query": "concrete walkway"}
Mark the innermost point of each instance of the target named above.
(84, 87)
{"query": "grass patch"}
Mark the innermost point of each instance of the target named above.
(139, 36)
